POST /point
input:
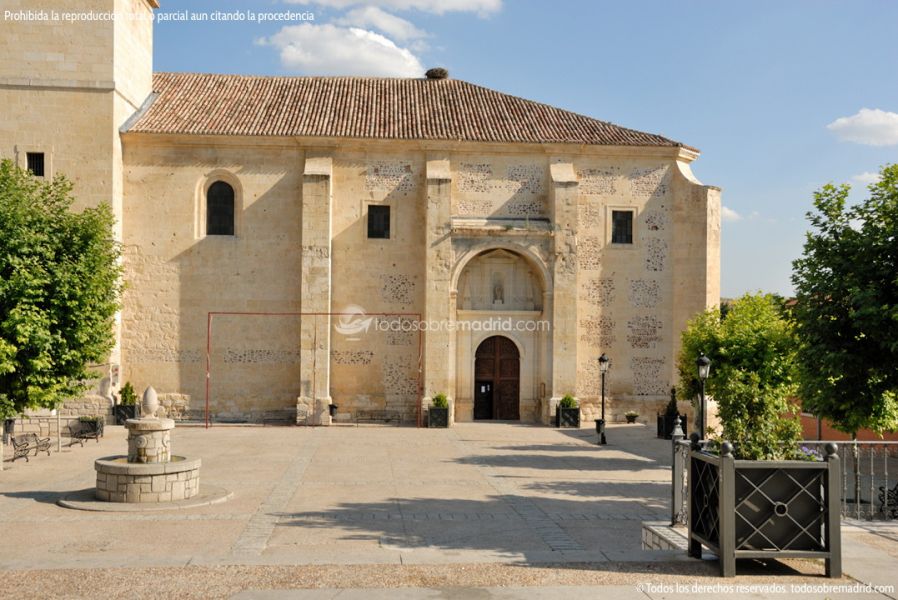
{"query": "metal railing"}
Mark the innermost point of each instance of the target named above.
(869, 478)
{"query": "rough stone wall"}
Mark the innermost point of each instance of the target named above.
(54, 50)
(696, 248)
(621, 298)
(72, 127)
(133, 46)
(66, 87)
(499, 186)
(148, 489)
(176, 276)
(43, 423)
(44, 426)
(65, 91)
(374, 368)
(625, 298)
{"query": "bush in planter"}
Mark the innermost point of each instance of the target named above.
(438, 413)
(127, 406)
(568, 401)
(567, 414)
(751, 495)
(753, 375)
(631, 416)
(128, 395)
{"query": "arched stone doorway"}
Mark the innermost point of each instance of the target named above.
(497, 380)
(500, 293)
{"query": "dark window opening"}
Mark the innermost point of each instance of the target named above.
(621, 226)
(220, 209)
(379, 222)
(36, 163)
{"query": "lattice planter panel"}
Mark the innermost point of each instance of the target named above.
(567, 417)
(437, 417)
(764, 508)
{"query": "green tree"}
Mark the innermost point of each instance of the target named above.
(846, 309)
(59, 290)
(752, 377)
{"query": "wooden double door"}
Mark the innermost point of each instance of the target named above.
(497, 380)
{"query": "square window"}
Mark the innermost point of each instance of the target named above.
(622, 227)
(379, 222)
(36, 163)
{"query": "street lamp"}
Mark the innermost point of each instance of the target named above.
(600, 424)
(704, 368)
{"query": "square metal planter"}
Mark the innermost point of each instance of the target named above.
(567, 417)
(123, 412)
(765, 508)
(437, 417)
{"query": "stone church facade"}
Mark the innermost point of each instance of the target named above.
(292, 243)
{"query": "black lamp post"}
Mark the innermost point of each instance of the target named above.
(704, 368)
(600, 424)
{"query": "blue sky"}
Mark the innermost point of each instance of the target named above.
(772, 93)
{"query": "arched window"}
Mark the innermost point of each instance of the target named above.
(220, 209)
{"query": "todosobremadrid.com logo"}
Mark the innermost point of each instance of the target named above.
(353, 321)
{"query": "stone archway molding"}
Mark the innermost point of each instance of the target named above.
(540, 268)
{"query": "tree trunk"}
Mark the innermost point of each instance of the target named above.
(855, 455)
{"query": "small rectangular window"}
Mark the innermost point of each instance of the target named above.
(36, 163)
(622, 227)
(379, 222)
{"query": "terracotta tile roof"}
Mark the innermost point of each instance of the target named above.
(367, 107)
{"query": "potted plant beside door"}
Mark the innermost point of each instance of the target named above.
(127, 406)
(438, 413)
(568, 412)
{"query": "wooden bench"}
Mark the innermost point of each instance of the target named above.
(889, 497)
(371, 416)
(24, 443)
(86, 430)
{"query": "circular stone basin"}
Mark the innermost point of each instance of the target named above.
(121, 481)
(124, 460)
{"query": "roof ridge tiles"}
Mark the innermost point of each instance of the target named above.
(368, 107)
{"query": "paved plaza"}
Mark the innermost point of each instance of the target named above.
(475, 506)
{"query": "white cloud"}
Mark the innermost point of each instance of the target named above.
(729, 215)
(873, 127)
(331, 50)
(372, 17)
(866, 178)
(439, 7)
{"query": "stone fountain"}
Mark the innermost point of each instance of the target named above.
(150, 473)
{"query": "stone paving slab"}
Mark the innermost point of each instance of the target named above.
(620, 592)
(396, 497)
(606, 592)
(484, 491)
